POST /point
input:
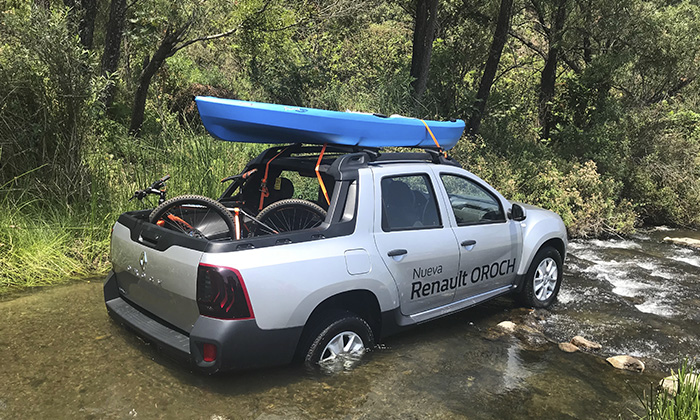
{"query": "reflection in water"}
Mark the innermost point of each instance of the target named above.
(62, 357)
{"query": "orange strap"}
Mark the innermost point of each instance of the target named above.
(318, 174)
(434, 139)
(264, 192)
(237, 221)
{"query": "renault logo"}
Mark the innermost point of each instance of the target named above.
(143, 260)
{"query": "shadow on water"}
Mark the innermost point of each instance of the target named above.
(63, 357)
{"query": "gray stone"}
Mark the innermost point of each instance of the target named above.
(507, 325)
(626, 363)
(670, 383)
(568, 347)
(689, 242)
(581, 342)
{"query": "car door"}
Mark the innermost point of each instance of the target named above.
(419, 251)
(489, 243)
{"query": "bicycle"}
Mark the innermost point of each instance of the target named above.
(202, 217)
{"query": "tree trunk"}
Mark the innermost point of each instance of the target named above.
(549, 73)
(86, 28)
(84, 12)
(423, 37)
(499, 40)
(113, 42)
(165, 50)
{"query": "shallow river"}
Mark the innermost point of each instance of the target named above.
(62, 357)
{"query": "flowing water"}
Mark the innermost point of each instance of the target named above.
(62, 357)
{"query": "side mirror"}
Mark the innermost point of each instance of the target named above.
(517, 213)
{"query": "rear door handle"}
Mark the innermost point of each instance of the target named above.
(397, 252)
(469, 242)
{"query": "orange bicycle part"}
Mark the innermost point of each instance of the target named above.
(176, 220)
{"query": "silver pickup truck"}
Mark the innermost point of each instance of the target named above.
(316, 254)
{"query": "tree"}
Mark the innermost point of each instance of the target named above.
(549, 73)
(112, 51)
(499, 39)
(175, 39)
(423, 38)
(83, 13)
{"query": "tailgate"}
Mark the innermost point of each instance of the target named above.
(163, 282)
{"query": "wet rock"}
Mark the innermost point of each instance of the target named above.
(508, 326)
(532, 340)
(626, 363)
(670, 383)
(581, 342)
(568, 347)
(688, 242)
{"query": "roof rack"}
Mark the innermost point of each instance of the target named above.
(339, 158)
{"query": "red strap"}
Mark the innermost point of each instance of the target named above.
(318, 174)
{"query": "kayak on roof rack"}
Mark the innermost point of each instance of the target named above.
(257, 122)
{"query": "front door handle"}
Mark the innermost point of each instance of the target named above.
(397, 252)
(469, 242)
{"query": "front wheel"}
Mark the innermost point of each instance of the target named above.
(543, 279)
(337, 342)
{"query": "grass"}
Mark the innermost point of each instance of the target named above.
(685, 405)
(45, 241)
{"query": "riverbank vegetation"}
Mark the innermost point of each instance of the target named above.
(589, 108)
(681, 404)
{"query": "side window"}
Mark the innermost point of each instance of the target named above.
(471, 203)
(408, 202)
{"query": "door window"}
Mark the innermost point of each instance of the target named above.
(471, 203)
(408, 202)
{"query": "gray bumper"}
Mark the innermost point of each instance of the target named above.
(240, 344)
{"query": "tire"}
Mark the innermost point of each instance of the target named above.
(337, 342)
(543, 279)
(289, 215)
(196, 216)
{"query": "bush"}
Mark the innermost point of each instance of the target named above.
(587, 202)
(685, 405)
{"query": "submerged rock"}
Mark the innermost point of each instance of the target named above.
(670, 384)
(626, 363)
(689, 242)
(568, 347)
(581, 342)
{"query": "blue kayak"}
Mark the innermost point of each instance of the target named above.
(257, 122)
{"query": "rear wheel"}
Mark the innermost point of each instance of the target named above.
(288, 215)
(196, 216)
(337, 342)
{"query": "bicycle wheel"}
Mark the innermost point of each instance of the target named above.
(288, 215)
(196, 216)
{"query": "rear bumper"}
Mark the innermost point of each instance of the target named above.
(240, 344)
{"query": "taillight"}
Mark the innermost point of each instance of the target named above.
(221, 293)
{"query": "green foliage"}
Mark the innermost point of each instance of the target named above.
(664, 165)
(624, 148)
(48, 91)
(585, 200)
(684, 405)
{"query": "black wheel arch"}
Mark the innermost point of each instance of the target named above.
(362, 303)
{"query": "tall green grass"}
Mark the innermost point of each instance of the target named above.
(685, 405)
(45, 240)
